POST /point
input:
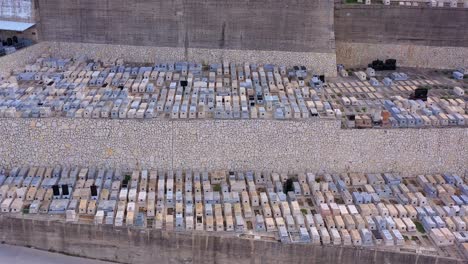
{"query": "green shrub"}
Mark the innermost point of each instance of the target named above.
(217, 188)
(419, 227)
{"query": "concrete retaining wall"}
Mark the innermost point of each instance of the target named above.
(424, 26)
(287, 32)
(147, 246)
(415, 36)
(353, 54)
(280, 32)
(288, 25)
(320, 146)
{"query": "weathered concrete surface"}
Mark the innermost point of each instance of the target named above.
(320, 145)
(290, 25)
(149, 246)
(260, 31)
(353, 54)
(22, 255)
(415, 36)
(425, 26)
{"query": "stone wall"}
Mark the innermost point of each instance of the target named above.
(128, 245)
(18, 59)
(352, 54)
(320, 63)
(320, 146)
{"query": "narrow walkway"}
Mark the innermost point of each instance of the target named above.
(22, 255)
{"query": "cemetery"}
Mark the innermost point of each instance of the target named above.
(113, 89)
(235, 132)
(381, 210)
